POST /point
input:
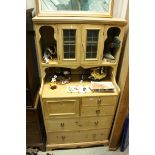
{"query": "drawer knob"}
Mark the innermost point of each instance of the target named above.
(63, 137)
(62, 124)
(97, 111)
(99, 101)
(96, 123)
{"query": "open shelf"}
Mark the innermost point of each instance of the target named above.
(78, 77)
(61, 91)
(112, 44)
(106, 62)
(48, 45)
(53, 62)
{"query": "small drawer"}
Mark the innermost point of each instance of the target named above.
(97, 101)
(98, 111)
(96, 122)
(77, 136)
(61, 108)
(62, 124)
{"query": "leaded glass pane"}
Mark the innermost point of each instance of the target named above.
(92, 43)
(69, 40)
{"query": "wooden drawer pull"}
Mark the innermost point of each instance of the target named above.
(62, 124)
(63, 137)
(97, 111)
(99, 101)
(96, 123)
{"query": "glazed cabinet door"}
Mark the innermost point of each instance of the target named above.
(69, 39)
(92, 44)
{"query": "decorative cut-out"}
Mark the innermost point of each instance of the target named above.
(112, 43)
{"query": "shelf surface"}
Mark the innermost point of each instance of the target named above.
(117, 21)
(50, 63)
(61, 91)
(105, 62)
(57, 64)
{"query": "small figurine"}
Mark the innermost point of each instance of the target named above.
(60, 76)
(49, 53)
(63, 75)
(53, 83)
(67, 77)
(111, 46)
(97, 74)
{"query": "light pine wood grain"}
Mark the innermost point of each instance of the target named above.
(93, 112)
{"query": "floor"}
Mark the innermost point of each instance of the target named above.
(87, 151)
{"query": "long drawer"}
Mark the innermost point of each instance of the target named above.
(78, 123)
(77, 136)
(97, 111)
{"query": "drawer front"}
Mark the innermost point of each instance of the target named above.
(61, 108)
(61, 124)
(97, 101)
(78, 123)
(96, 122)
(97, 111)
(77, 136)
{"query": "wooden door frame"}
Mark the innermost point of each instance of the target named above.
(123, 103)
(123, 82)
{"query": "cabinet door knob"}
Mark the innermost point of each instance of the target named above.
(97, 111)
(96, 123)
(62, 124)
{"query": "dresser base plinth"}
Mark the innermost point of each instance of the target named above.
(50, 147)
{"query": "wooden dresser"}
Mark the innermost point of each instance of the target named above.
(74, 119)
(77, 119)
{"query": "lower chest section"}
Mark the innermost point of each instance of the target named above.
(78, 120)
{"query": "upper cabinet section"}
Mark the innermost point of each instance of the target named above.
(75, 45)
(87, 8)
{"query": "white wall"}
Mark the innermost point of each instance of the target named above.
(120, 8)
(30, 4)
